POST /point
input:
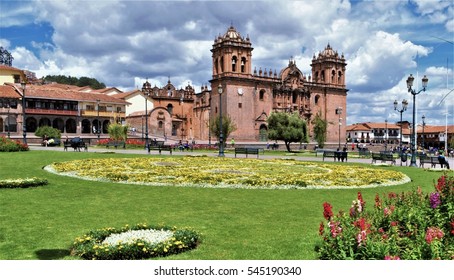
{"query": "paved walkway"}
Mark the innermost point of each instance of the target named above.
(215, 153)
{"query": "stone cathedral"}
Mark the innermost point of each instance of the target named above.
(249, 94)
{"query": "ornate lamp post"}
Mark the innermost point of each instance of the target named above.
(410, 80)
(146, 89)
(221, 140)
(423, 136)
(339, 112)
(24, 124)
(386, 134)
(403, 109)
(98, 130)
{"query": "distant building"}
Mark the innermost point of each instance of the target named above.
(65, 107)
(379, 133)
(250, 95)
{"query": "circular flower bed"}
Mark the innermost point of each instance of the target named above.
(22, 183)
(133, 243)
(229, 173)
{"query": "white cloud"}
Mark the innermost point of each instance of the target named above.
(121, 43)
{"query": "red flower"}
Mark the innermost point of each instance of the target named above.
(377, 201)
(327, 211)
(321, 229)
(441, 183)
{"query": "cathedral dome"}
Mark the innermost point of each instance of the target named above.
(328, 52)
(232, 33)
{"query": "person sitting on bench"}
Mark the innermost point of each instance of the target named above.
(442, 160)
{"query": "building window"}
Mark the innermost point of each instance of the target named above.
(317, 97)
(240, 105)
(261, 94)
(170, 108)
(243, 64)
(234, 60)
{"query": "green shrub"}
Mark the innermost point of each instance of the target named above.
(48, 131)
(91, 246)
(8, 145)
(412, 226)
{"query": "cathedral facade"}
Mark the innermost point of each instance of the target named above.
(248, 95)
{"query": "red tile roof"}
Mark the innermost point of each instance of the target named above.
(64, 92)
(7, 91)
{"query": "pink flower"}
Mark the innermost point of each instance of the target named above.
(433, 233)
(335, 229)
(392, 258)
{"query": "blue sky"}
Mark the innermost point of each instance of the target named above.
(121, 43)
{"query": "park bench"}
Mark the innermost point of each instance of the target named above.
(383, 157)
(247, 151)
(319, 151)
(433, 161)
(77, 146)
(339, 155)
(363, 152)
(331, 154)
(116, 144)
(160, 148)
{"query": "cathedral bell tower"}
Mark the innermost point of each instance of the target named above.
(232, 71)
(232, 55)
(329, 68)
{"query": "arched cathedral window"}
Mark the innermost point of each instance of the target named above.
(234, 60)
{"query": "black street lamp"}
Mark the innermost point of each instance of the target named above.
(403, 109)
(221, 140)
(410, 80)
(97, 122)
(386, 134)
(146, 89)
(24, 124)
(7, 119)
(423, 136)
(339, 112)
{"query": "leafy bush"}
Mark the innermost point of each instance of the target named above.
(8, 145)
(118, 132)
(50, 132)
(91, 246)
(410, 225)
(22, 183)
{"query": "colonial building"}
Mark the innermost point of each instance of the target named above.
(169, 111)
(74, 111)
(380, 133)
(249, 95)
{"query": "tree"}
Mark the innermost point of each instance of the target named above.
(227, 127)
(320, 127)
(118, 131)
(287, 127)
(48, 131)
(81, 82)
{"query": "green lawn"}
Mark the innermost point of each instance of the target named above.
(42, 222)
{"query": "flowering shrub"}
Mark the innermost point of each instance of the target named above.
(409, 225)
(22, 183)
(129, 142)
(228, 172)
(133, 243)
(8, 145)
